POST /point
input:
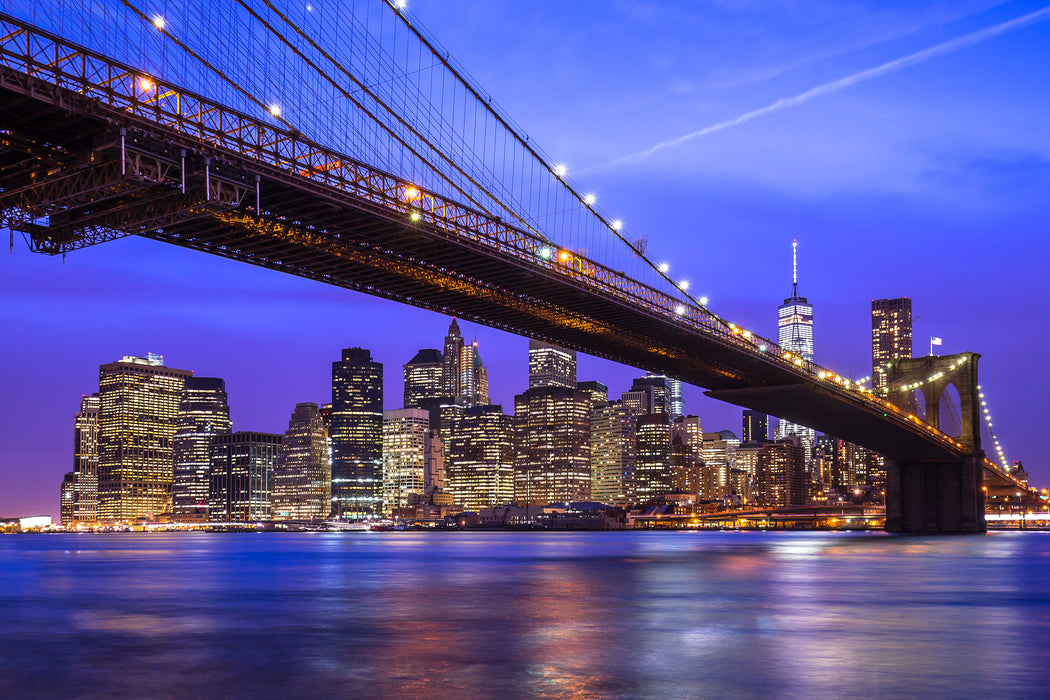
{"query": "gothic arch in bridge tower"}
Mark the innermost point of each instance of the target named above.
(932, 375)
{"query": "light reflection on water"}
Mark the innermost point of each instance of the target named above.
(569, 615)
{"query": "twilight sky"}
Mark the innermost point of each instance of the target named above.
(905, 144)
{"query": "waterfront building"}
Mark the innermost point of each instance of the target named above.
(613, 454)
(240, 476)
(686, 470)
(744, 474)
(66, 499)
(719, 452)
(423, 375)
(780, 479)
(653, 476)
(598, 392)
(756, 426)
(356, 435)
(891, 336)
(204, 412)
(138, 407)
(433, 464)
(551, 366)
(553, 432)
(404, 456)
(674, 394)
(85, 460)
(302, 475)
(479, 457)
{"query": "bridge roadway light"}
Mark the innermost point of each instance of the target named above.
(415, 216)
(146, 84)
(158, 22)
(617, 225)
(561, 170)
(590, 199)
(275, 110)
(663, 267)
(703, 301)
(683, 285)
(679, 309)
(545, 253)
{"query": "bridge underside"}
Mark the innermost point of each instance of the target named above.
(77, 172)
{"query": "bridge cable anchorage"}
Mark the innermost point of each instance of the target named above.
(988, 422)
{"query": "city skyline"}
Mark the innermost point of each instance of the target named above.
(172, 298)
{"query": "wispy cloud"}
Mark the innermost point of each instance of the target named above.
(834, 86)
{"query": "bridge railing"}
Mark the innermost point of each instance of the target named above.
(138, 96)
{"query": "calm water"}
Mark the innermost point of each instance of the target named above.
(477, 615)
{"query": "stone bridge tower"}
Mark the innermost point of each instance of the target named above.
(942, 496)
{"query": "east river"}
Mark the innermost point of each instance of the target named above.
(505, 614)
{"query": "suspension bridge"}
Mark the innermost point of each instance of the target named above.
(349, 148)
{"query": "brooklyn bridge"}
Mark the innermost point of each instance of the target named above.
(357, 153)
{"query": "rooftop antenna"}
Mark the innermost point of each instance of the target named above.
(794, 267)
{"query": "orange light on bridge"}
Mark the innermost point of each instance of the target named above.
(564, 256)
(146, 84)
(411, 193)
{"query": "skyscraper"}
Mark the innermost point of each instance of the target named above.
(138, 405)
(756, 426)
(475, 376)
(891, 336)
(302, 476)
(674, 395)
(550, 365)
(720, 456)
(423, 378)
(795, 327)
(404, 456)
(613, 454)
(85, 460)
(653, 476)
(66, 496)
(479, 458)
(452, 362)
(357, 435)
(204, 412)
(553, 428)
(598, 392)
(780, 479)
(240, 476)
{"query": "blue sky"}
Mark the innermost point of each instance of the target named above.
(928, 181)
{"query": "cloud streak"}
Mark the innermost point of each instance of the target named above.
(834, 86)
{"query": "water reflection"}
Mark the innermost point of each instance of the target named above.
(567, 615)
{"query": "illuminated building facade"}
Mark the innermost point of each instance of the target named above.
(598, 392)
(781, 480)
(687, 474)
(551, 366)
(674, 394)
(479, 458)
(612, 454)
(720, 456)
(138, 407)
(240, 478)
(302, 475)
(554, 452)
(85, 460)
(423, 378)
(795, 334)
(357, 436)
(404, 456)
(452, 362)
(66, 499)
(653, 476)
(475, 376)
(891, 336)
(204, 412)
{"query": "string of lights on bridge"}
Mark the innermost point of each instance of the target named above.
(988, 422)
(589, 200)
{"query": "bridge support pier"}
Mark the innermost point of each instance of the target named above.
(942, 497)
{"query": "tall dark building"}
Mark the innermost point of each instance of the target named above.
(674, 395)
(85, 460)
(357, 435)
(452, 362)
(891, 336)
(423, 378)
(756, 426)
(554, 451)
(598, 392)
(66, 498)
(653, 476)
(204, 412)
(240, 477)
(139, 403)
